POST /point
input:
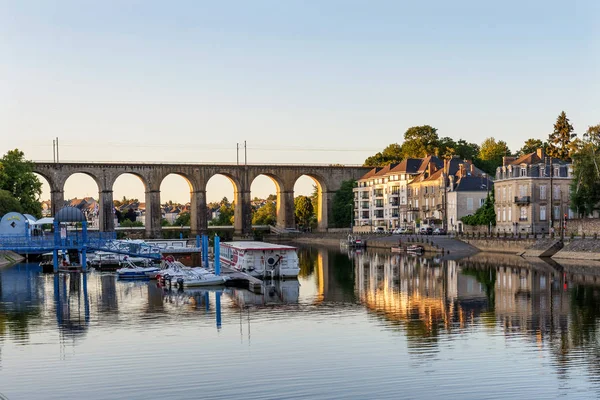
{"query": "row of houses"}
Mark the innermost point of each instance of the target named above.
(531, 193)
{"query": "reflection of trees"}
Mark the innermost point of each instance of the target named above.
(19, 308)
(307, 259)
(487, 277)
(343, 274)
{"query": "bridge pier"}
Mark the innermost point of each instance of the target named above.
(106, 217)
(57, 201)
(325, 210)
(153, 214)
(242, 213)
(285, 209)
(198, 213)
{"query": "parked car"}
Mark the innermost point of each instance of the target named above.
(426, 231)
(379, 229)
(439, 231)
(399, 231)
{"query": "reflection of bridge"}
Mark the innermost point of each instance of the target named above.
(328, 179)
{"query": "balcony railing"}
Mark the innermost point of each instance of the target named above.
(522, 199)
(522, 218)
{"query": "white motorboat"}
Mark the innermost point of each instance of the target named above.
(132, 271)
(195, 279)
(184, 276)
(260, 259)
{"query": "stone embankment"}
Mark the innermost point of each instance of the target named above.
(9, 258)
(580, 249)
(500, 244)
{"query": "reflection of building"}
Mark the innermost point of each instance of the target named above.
(274, 292)
(418, 295)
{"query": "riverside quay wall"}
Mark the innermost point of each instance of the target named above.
(508, 245)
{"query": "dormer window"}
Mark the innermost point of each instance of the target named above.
(523, 171)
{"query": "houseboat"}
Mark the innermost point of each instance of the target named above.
(260, 259)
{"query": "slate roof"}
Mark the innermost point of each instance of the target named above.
(473, 184)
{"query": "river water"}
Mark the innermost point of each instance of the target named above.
(361, 326)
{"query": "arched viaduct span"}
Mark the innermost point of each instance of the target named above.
(328, 179)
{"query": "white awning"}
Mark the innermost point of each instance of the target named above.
(43, 221)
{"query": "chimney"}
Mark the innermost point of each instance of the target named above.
(446, 163)
(472, 168)
(451, 178)
(540, 153)
(507, 160)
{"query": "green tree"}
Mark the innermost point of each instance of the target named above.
(18, 179)
(446, 148)
(164, 222)
(8, 203)
(530, 146)
(391, 154)
(127, 223)
(183, 219)
(343, 205)
(303, 209)
(585, 186)
(559, 141)
(490, 155)
(485, 215)
(226, 214)
(265, 215)
(419, 141)
(467, 151)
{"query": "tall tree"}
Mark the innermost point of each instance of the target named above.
(420, 141)
(560, 139)
(391, 154)
(467, 151)
(585, 186)
(18, 179)
(446, 148)
(8, 203)
(265, 215)
(226, 214)
(303, 210)
(530, 146)
(343, 205)
(491, 153)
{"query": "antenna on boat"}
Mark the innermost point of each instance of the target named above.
(237, 153)
(245, 154)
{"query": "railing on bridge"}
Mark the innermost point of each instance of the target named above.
(42, 244)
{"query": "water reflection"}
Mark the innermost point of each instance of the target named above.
(429, 302)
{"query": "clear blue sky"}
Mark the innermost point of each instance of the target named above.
(301, 81)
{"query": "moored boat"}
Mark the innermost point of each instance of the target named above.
(132, 271)
(260, 259)
(415, 249)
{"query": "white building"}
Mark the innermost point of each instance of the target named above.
(381, 198)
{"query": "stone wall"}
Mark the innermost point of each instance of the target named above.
(500, 245)
(587, 226)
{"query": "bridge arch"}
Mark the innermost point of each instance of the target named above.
(282, 212)
(324, 197)
(131, 185)
(83, 190)
(241, 214)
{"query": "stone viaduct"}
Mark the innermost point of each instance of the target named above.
(328, 179)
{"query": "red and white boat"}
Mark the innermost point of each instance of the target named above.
(260, 259)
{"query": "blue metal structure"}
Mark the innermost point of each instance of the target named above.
(217, 244)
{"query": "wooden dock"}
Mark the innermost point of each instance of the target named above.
(242, 279)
